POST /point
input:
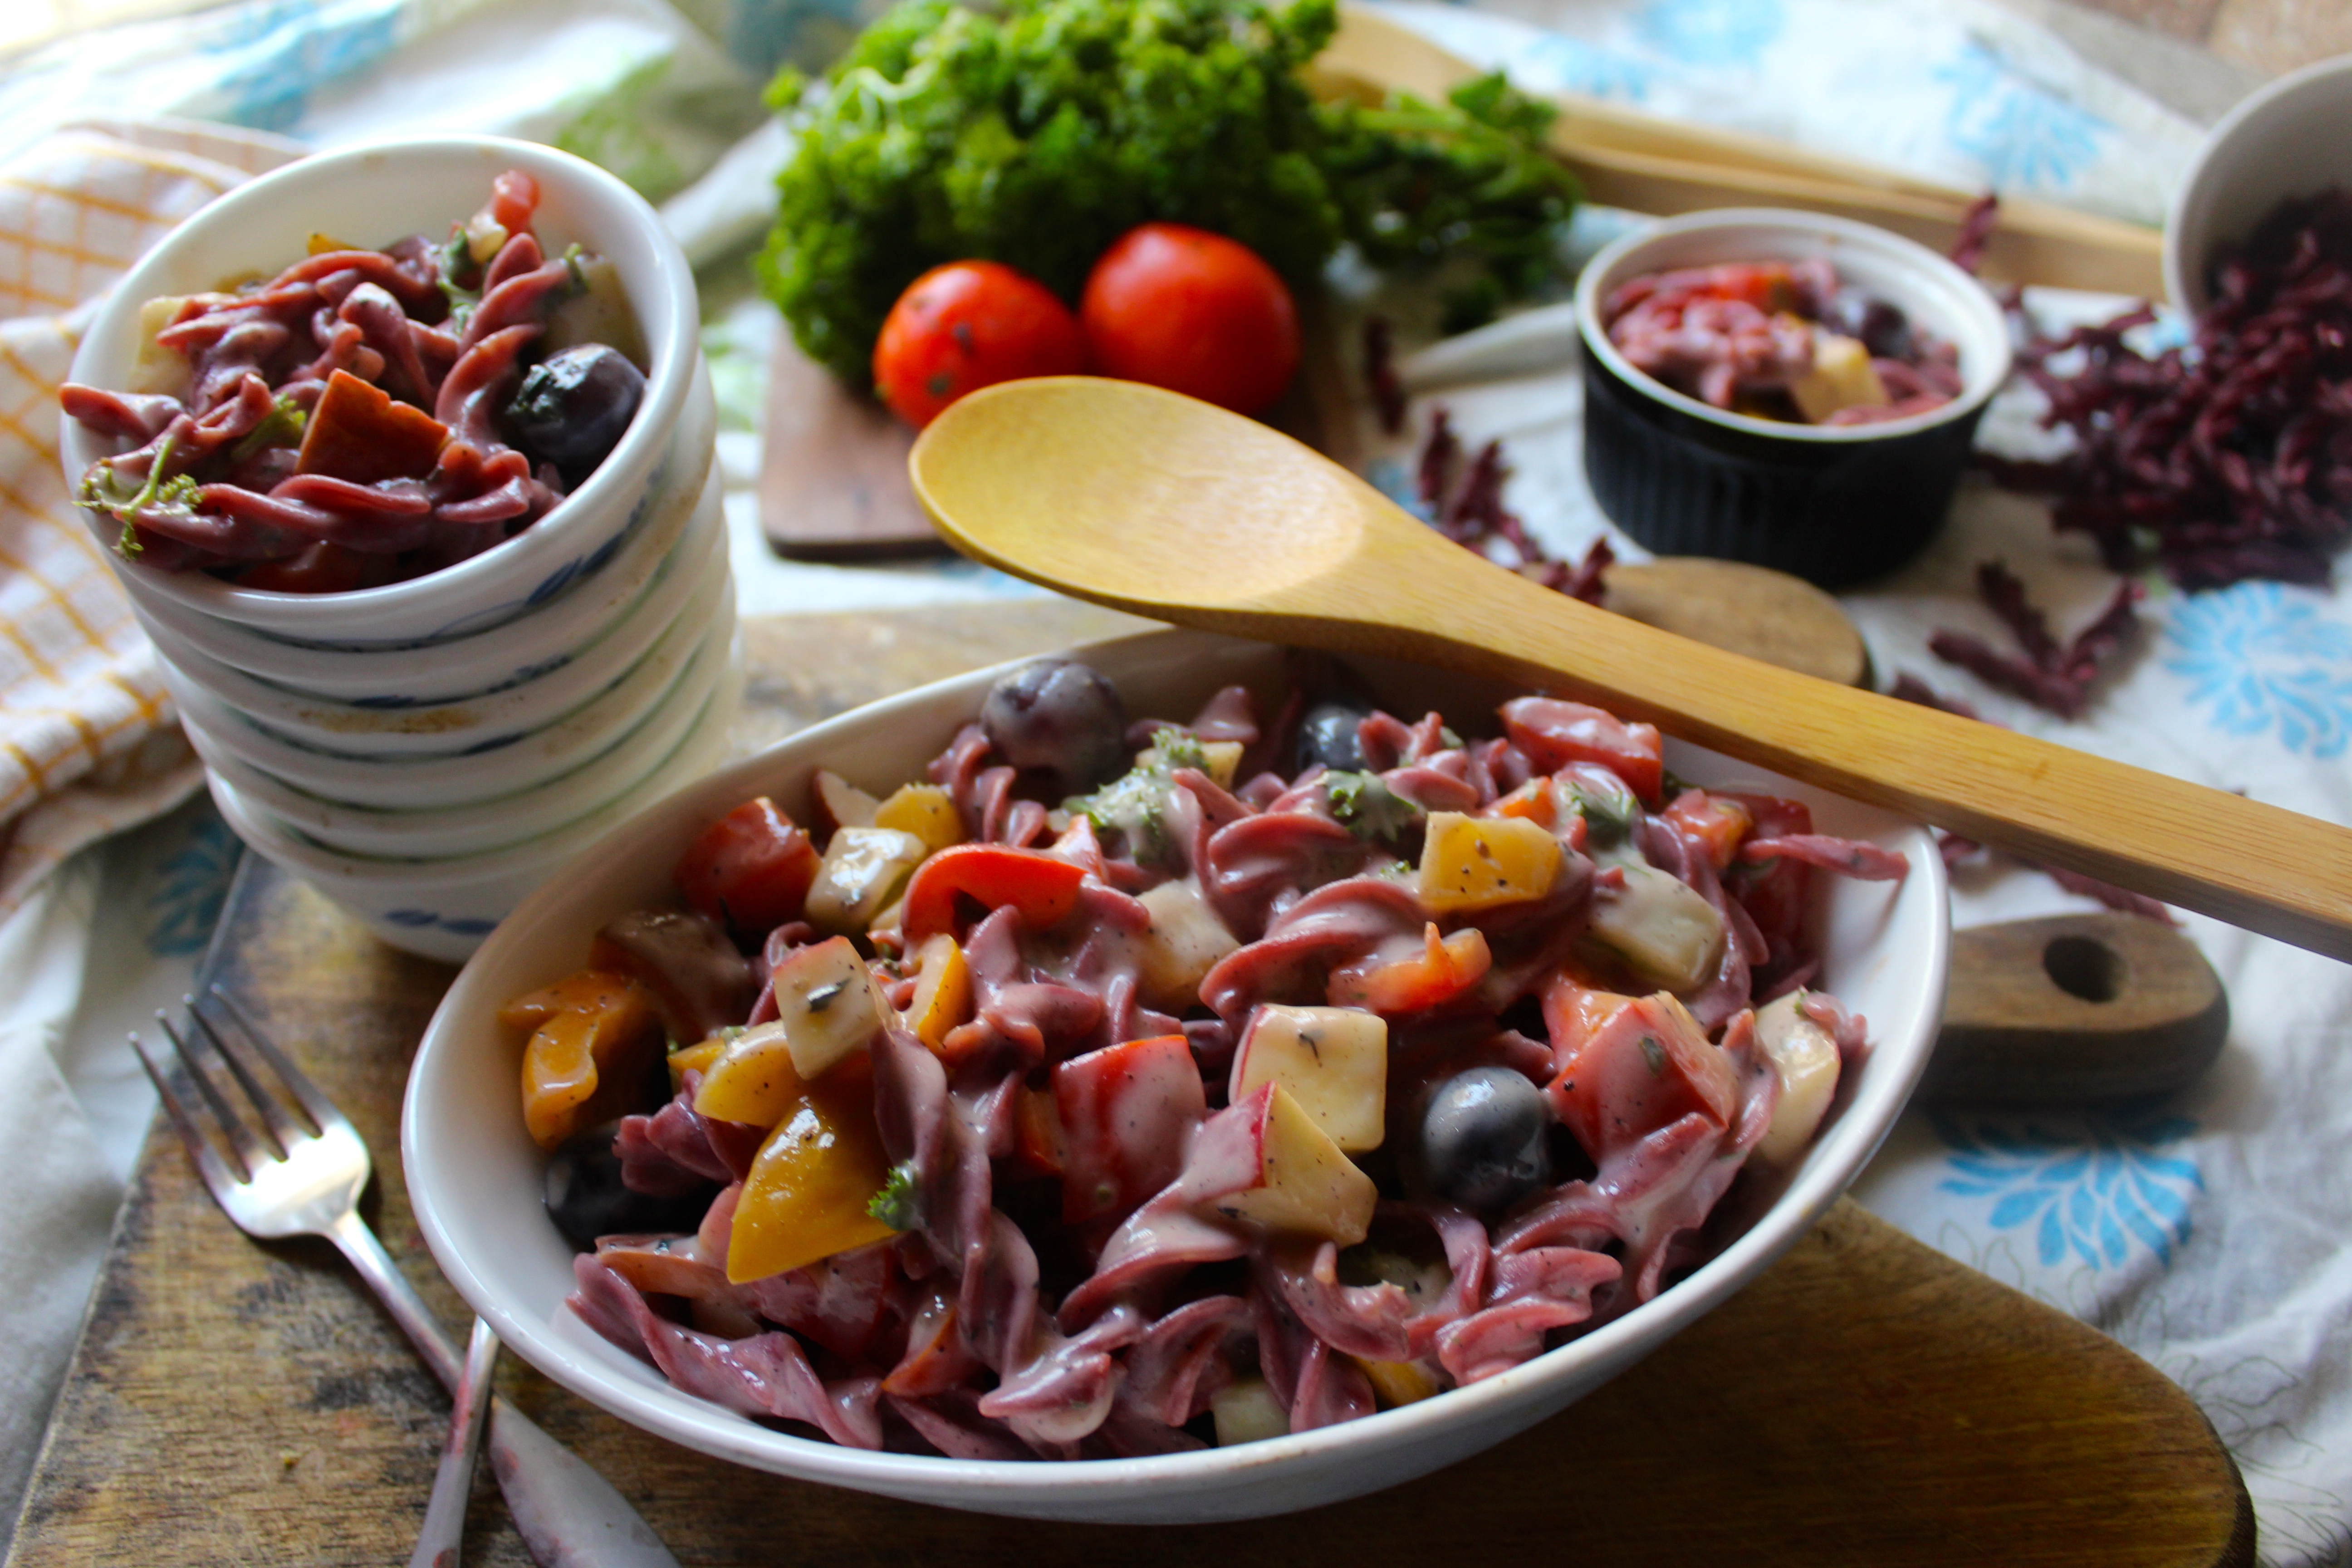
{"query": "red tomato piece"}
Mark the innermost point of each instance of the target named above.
(1442, 971)
(1127, 1113)
(514, 197)
(1042, 887)
(1629, 1066)
(1194, 313)
(750, 869)
(358, 433)
(1554, 734)
(1037, 1132)
(1716, 821)
(967, 325)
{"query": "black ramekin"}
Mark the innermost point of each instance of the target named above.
(1835, 505)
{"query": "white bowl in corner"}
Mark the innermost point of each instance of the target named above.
(2289, 139)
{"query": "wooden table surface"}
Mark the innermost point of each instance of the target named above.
(1866, 1401)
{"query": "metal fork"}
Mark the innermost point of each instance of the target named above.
(278, 1173)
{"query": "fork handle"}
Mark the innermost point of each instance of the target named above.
(569, 1516)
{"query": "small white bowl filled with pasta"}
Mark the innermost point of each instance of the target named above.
(1178, 1082)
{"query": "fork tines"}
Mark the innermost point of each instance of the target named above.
(230, 1073)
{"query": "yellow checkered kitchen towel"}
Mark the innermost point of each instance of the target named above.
(89, 740)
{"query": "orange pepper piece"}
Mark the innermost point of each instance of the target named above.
(583, 1029)
(807, 1196)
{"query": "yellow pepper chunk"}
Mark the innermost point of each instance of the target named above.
(806, 1196)
(584, 1028)
(752, 1079)
(694, 1058)
(943, 991)
(1478, 862)
(1398, 1381)
(924, 810)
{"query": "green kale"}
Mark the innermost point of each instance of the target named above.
(281, 426)
(107, 488)
(1609, 813)
(1367, 807)
(899, 1202)
(1174, 748)
(1037, 132)
(1131, 805)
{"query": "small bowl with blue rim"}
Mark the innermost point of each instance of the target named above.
(1837, 504)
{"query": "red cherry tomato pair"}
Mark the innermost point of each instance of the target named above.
(1166, 305)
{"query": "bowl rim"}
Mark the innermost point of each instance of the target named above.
(667, 320)
(1975, 393)
(683, 1418)
(2183, 285)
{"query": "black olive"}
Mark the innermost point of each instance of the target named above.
(1060, 715)
(1326, 734)
(572, 408)
(586, 1199)
(1884, 329)
(1483, 1138)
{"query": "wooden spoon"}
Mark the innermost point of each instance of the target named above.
(1154, 502)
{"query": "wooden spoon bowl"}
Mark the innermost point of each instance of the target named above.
(1152, 502)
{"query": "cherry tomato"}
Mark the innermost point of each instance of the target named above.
(967, 325)
(1194, 313)
(752, 869)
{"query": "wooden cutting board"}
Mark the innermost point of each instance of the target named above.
(1866, 1401)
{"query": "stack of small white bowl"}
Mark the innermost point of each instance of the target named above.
(426, 753)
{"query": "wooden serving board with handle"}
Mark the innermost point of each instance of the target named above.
(1866, 1401)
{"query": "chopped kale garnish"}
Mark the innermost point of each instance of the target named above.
(899, 1202)
(281, 426)
(1367, 807)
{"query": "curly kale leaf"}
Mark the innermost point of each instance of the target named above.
(1037, 132)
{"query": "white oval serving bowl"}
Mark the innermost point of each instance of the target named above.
(476, 1178)
(374, 194)
(2286, 140)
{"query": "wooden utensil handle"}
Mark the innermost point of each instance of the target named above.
(2072, 1009)
(2255, 866)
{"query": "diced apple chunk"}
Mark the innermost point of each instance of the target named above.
(1334, 1061)
(943, 991)
(827, 1004)
(863, 870)
(1306, 1183)
(1185, 942)
(1806, 1058)
(839, 804)
(1841, 377)
(1660, 927)
(1247, 1412)
(1478, 862)
(924, 810)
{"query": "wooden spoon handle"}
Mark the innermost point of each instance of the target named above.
(2255, 866)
